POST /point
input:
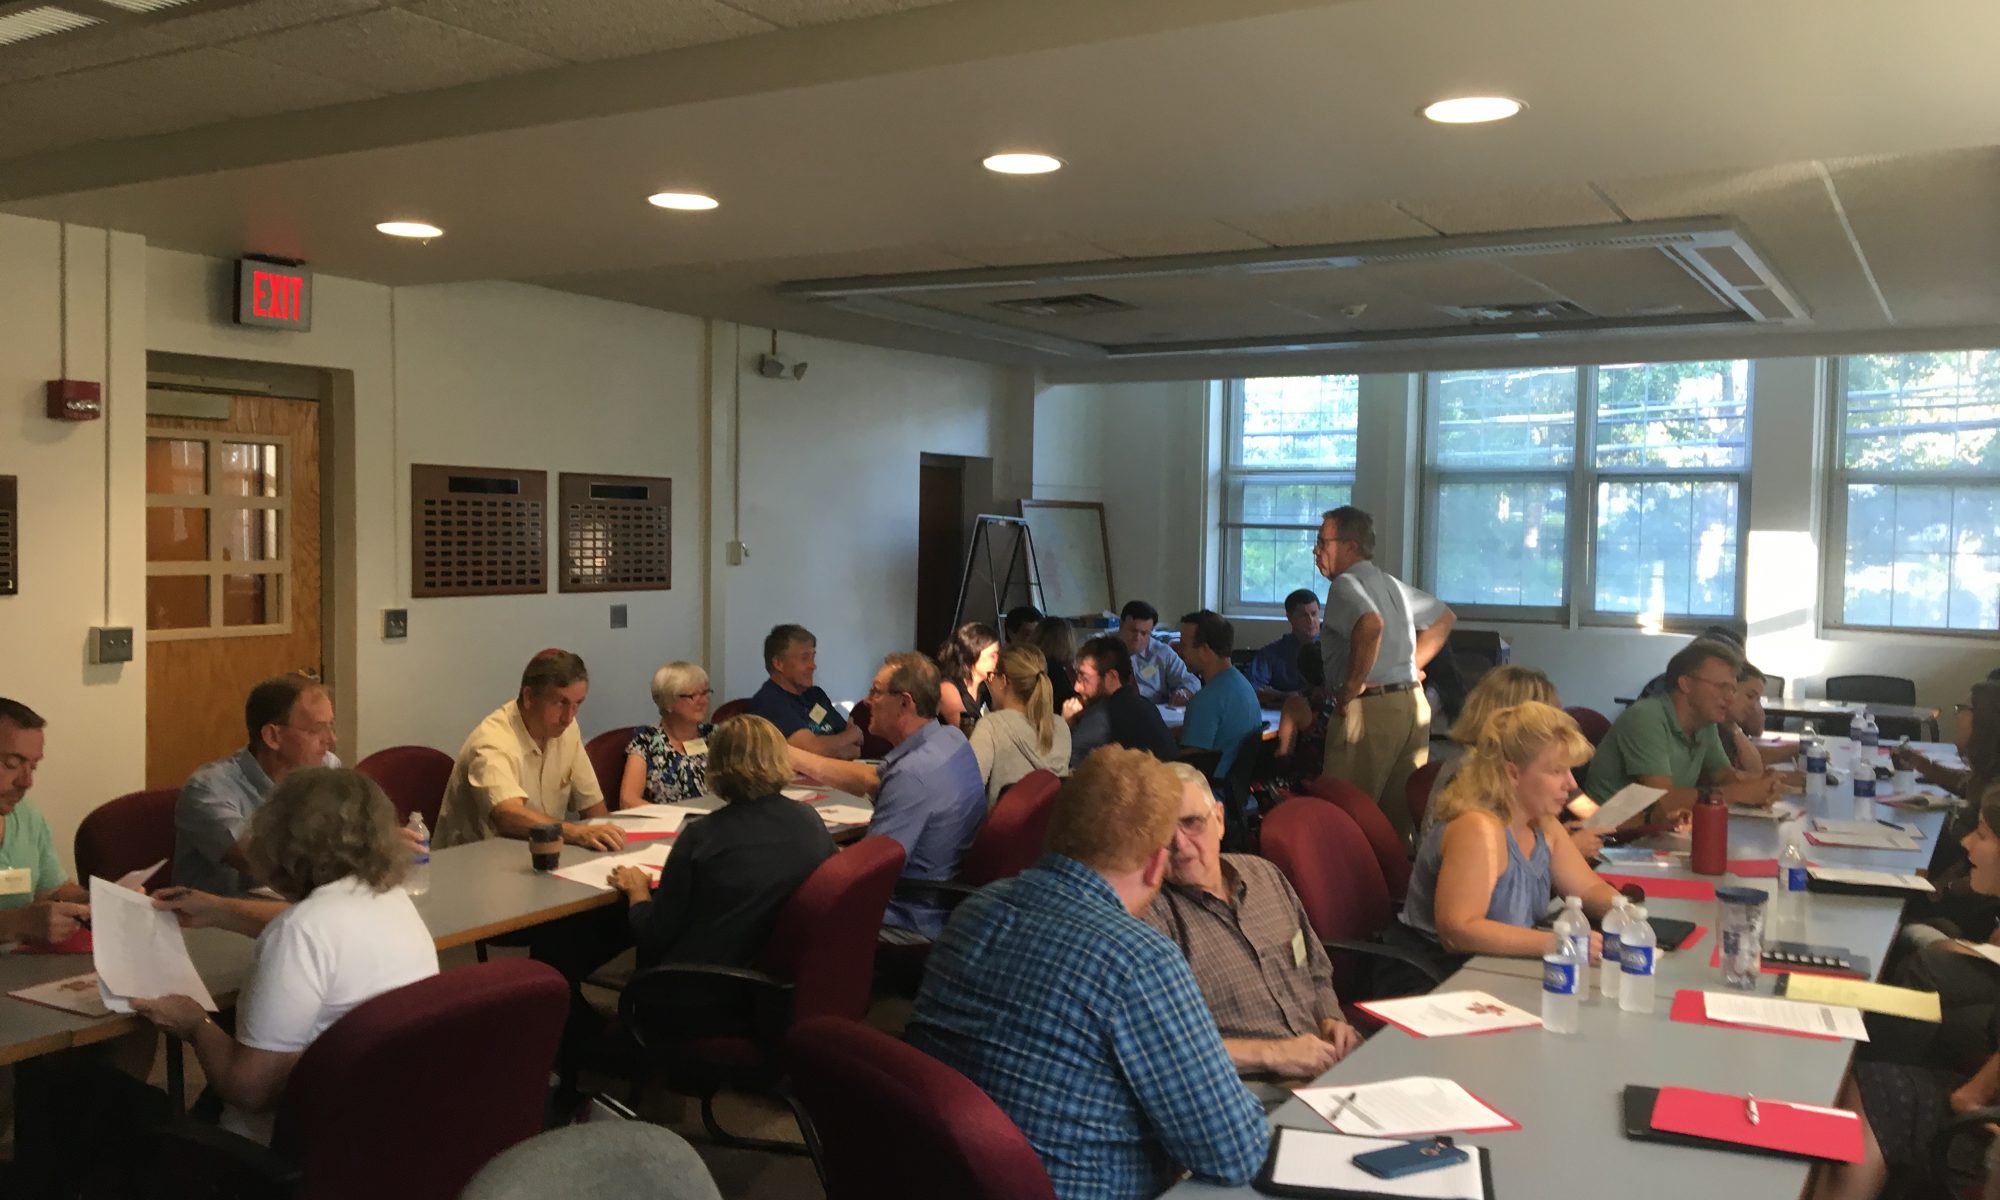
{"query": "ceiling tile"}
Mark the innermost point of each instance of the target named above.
(1204, 237)
(599, 30)
(67, 111)
(822, 12)
(1332, 225)
(1925, 223)
(262, 16)
(1540, 208)
(394, 51)
(201, 86)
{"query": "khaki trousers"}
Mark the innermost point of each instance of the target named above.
(1376, 742)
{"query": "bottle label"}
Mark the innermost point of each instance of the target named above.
(1611, 951)
(1638, 960)
(1795, 879)
(1559, 977)
(1864, 781)
(1816, 762)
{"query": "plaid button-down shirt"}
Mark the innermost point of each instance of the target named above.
(1261, 968)
(1086, 1028)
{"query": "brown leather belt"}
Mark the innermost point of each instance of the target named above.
(1383, 689)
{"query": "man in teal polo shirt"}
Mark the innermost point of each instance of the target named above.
(37, 900)
(1671, 741)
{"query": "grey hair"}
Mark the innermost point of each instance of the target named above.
(675, 680)
(1190, 777)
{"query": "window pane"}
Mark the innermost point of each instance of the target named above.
(247, 469)
(1923, 412)
(1513, 418)
(1306, 421)
(1922, 557)
(1273, 562)
(176, 467)
(176, 535)
(1501, 543)
(1672, 415)
(177, 602)
(1666, 548)
(249, 599)
(247, 534)
(1288, 502)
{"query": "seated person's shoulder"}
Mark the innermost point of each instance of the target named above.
(1474, 827)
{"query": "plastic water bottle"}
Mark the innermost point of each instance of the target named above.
(1864, 784)
(1864, 731)
(1572, 925)
(1613, 926)
(1788, 910)
(1813, 752)
(418, 881)
(1636, 945)
(1563, 975)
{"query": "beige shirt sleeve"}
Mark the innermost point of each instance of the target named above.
(493, 777)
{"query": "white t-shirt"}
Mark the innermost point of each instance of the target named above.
(337, 948)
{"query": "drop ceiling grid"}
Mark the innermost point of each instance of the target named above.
(596, 30)
(1941, 269)
(111, 44)
(390, 50)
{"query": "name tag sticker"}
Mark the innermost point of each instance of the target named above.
(695, 746)
(816, 714)
(1299, 948)
(17, 881)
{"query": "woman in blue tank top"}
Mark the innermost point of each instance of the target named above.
(1486, 869)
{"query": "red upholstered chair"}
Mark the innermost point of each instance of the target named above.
(414, 777)
(1417, 792)
(732, 708)
(404, 1098)
(820, 961)
(1390, 854)
(893, 1123)
(133, 831)
(1594, 724)
(1011, 839)
(606, 752)
(871, 745)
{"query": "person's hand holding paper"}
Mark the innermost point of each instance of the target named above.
(1628, 802)
(138, 951)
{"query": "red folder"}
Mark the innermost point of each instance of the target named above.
(1657, 888)
(1693, 939)
(1828, 1133)
(648, 837)
(1689, 1009)
(76, 943)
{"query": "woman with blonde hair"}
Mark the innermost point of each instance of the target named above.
(1501, 687)
(669, 761)
(1484, 873)
(1022, 734)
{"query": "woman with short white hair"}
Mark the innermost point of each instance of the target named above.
(669, 761)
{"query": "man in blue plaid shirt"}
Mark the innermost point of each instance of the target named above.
(1080, 1021)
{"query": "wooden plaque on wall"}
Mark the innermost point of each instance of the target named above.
(10, 536)
(616, 534)
(478, 531)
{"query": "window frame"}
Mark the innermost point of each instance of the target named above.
(1833, 540)
(276, 571)
(1234, 474)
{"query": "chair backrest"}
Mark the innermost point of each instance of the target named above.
(1594, 724)
(1872, 689)
(1011, 839)
(1417, 790)
(1250, 766)
(600, 1158)
(135, 830)
(731, 708)
(824, 941)
(893, 1123)
(872, 745)
(1331, 866)
(430, 1080)
(414, 778)
(1390, 855)
(606, 752)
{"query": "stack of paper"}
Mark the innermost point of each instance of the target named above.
(596, 872)
(836, 815)
(1791, 1016)
(1404, 1108)
(1444, 1014)
(1880, 879)
(138, 950)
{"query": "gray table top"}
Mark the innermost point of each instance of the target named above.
(27, 1030)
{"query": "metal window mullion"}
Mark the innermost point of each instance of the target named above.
(1580, 561)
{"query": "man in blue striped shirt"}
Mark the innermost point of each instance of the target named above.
(1080, 1021)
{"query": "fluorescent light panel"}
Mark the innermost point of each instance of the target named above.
(40, 22)
(144, 6)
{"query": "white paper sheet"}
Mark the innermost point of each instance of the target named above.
(1781, 811)
(78, 994)
(1795, 1016)
(1628, 802)
(665, 817)
(137, 879)
(1848, 875)
(1883, 838)
(1310, 1158)
(1408, 1107)
(807, 794)
(138, 950)
(1985, 950)
(596, 872)
(1829, 825)
(1443, 1014)
(845, 814)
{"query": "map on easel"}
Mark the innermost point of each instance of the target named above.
(1072, 556)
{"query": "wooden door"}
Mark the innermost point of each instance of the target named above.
(940, 550)
(233, 572)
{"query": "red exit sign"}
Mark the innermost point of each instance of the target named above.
(272, 295)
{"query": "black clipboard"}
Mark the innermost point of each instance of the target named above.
(1264, 1184)
(1639, 1103)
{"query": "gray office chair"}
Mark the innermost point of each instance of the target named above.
(601, 1158)
(1871, 689)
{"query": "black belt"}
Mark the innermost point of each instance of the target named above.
(1383, 689)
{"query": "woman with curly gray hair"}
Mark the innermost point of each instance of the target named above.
(326, 841)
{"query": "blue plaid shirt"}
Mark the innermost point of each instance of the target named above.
(1085, 1026)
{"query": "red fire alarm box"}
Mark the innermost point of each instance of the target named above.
(75, 400)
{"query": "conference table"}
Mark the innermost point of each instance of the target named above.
(1565, 1090)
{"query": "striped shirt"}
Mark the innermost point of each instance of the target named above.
(1086, 1028)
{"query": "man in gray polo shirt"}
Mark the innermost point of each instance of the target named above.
(1377, 635)
(290, 722)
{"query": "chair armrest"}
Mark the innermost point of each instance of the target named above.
(1966, 1124)
(227, 1164)
(1430, 969)
(945, 893)
(767, 998)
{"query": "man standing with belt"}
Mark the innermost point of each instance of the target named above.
(1376, 638)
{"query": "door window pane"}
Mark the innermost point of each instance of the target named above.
(176, 601)
(249, 599)
(1666, 547)
(247, 534)
(176, 467)
(1501, 542)
(176, 535)
(247, 469)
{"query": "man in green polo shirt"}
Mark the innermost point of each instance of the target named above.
(37, 900)
(1672, 741)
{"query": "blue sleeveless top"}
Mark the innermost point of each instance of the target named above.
(1520, 895)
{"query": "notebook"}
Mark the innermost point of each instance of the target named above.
(1319, 1163)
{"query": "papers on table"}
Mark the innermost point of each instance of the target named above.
(1628, 802)
(77, 994)
(1408, 1107)
(1985, 950)
(1829, 825)
(1871, 997)
(650, 818)
(1780, 811)
(1862, 835)
(1313, 1161)
(1791, 1016)
(1445, 1014)
(1877, 879)
(844, 814)
(806, 794)
(138, 950)
(1640, 856)
(596, 872)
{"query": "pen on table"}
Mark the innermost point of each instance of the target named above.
(1891, 824)
(1340, 1105)
(1750, 1107)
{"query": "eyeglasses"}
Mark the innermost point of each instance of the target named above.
(322, 729)
(1193, 824)
(697, 695)
(1718, 684)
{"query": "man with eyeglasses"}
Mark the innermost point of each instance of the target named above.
(290, 723)
(1673, 741)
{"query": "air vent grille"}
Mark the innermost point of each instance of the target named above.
(40, 22)
(1498, 314)
(1076, 304)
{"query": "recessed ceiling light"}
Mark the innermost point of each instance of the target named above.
(1023, 164)
(409, 229)
(683, 201)
(1472, 110)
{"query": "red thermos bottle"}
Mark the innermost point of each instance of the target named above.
(1711, 836)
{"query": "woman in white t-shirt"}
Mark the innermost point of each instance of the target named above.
(327, 842)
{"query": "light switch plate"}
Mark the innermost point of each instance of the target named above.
(111, 644)
(617, 616)
(395, 623)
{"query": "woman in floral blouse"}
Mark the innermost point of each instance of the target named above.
(669, 761)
